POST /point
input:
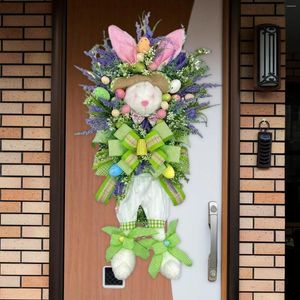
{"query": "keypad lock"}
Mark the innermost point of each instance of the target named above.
(264, 145)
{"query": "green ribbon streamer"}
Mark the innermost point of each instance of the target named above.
(174, 191)
(122, 240)
(168, 245)
(106, 189)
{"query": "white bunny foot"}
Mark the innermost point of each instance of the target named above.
(123, 264)
(170, 267)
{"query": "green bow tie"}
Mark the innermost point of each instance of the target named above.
(169, 244)
(121, 240)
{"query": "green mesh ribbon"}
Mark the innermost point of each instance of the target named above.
(169, 244)
(122, 240)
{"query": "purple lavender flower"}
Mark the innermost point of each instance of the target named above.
(191, 113)
(138, 30)
(88, 88)
(195, 88)
(97, 123)
(180, 61)
(119, 188)
(194, 130)
(95, 109)
(208, 85)
(113, 104)
(140, 168)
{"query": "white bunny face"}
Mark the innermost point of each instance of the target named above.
(143, 97)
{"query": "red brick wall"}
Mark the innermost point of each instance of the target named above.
(25, 58)
(262, 190)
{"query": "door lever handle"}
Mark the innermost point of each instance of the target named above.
(213, 225)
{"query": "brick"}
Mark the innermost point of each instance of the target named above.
(257, 210)
(245, 296)
(11, 8)
(257, 9)
(280, 236)
(275, 122)
(280, 135)
(22, 96)
(256, 236)
(248, 134)
(10, 231)
(22, 170)
(269, 273)
(8, 58)
(257, 109)
(35, 157)
(9, 281)
(21, 244)
(36, 207)
(269, 223)
(38, 33)
(256, 285)
(35, 281)
(19, 293)
(246, 122)
(246, 147)
(47, 121)
(246, 21)
(279, 285)
(21, 195)
(280, 109)
(21, 219)
(246, 96)
(35, 231)
(23, 45)
(6, 157)
(48, 20)
(280, 185)
(22, 70)
(256, 261)
(246, 59)
(280, 261)
(48, 70)
(246, 84)
(10, 256)
(48, 45)
(21, 145)
(38, 182)
(269, 173)
(10, 207)
(12, 120)
(280, 21)
(246, 273)
(10, 83)
(276, 97)
(35, 257)
(246, 223)
(246, 172)
(37, 58)
(256, 185)
(37, 83)
(246, 197)
(10, 182)
(246, 248)
(248, 160)
(45, 269)
(269, 248)
(280, 211)
(269, 296)
(38, 8)
(23, 20)
(37, 108)
(269, 198)
(10, 108)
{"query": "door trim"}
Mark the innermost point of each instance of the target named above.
(230, 155)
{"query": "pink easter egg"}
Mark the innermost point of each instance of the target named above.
(125, 109)
(120, 93)
(161, 114)
(176, 97)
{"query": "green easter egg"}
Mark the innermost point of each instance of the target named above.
(139, 67)
(100, 92)
(166, 97)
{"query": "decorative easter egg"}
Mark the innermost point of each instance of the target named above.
(105, 80)
(161, 114)
(166, 243)
(115, 112)
(120, 93)
(141, 148)
(175, 86)
(115, 170)
(143, 45)
(176, 97)
(138, 67)
(169, 172)
(140, 56)
(121, 239)
(101, 92)
(125, 109)
(166, 97)
(189, 96)
(164, 105)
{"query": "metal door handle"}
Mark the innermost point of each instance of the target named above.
(213, 225)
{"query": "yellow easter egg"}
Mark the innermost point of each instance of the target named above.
(143, 45)
(169, 172)
(121, 238)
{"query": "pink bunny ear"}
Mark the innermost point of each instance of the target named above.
(169, 48)
(123, 43)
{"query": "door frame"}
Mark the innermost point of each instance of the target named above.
(230, 155)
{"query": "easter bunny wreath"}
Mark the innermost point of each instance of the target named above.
(145, 99)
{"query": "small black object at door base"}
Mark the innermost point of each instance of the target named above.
(264, 146)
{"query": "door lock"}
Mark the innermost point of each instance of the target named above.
(213, 255)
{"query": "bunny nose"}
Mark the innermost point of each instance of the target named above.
(145, 103)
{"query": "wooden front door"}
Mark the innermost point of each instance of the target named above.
(85, 244)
